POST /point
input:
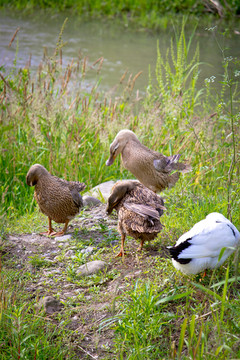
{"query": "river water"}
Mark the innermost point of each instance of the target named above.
(122, 48)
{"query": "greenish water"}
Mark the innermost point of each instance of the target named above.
(122, 48)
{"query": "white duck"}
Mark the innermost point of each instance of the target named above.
(199, 248)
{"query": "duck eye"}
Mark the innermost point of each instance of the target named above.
(115, 149)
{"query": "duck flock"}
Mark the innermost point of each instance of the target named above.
(205, 246)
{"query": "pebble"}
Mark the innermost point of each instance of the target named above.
(89, 201)
(91, 267)
(69, 253)
(89, 249)
(50, 304)
(63, 238)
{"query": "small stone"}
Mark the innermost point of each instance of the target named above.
(69, 295)
(68, 286)
(91, 267)
(89, 250)
(63, 238)
(63, 244)
(69, 253)
(90, 201)
(50, 304)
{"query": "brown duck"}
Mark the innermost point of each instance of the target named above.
(139, 210)
(57, 198)
(151, 168)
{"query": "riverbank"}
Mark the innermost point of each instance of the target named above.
(138, 307)
(145, 14)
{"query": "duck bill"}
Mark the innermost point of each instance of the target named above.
(162, 207)
(110, 161)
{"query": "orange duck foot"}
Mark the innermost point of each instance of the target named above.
(49, 232)
(120, 254)
(58, 233)
(203, 276)
(140, 246)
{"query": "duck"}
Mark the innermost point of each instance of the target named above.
(153, 169)
(57, 198)
(139, 210)
(202, 246)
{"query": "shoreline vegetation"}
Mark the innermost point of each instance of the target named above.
(156, 313)
(145, 14)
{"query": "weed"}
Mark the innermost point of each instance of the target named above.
(164, 314)
(38, 262)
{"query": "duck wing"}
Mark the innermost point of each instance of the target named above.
(142, 218)
(142, 210)
(74, 187)
(77, 198)
(169, 164)
(143, 195)
(79, 186)
(208, 242)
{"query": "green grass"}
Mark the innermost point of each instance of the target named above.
(163, 314)
(148, 14)
(25, 332)
(178, 319)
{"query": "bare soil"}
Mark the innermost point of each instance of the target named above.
(88, 301)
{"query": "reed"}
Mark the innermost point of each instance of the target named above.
(44, 119)
(178, 119)
(145, 14)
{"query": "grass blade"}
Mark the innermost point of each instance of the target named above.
(182, 335)
(224, 294)
(172, 298)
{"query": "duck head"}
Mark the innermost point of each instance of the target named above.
(118, 192)
(34, 173)
(118, 144)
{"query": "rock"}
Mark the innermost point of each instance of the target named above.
(74, 324)
(68, 286)
(89, 249)
(63, 238)
(101, 191)
(91, 267)
(89, 201)
(63, 244)
(69, 295)
(69, 253)
(50, 304)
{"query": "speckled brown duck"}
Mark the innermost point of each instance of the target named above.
(139, 210)
(151, 168)
(57, 198)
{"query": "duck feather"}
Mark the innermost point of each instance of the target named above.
(139, 210)
(153, 169)
(201, 246)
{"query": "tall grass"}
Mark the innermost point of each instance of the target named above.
(144, 13)
(50, 118)
(43, 120)
(188, 320)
